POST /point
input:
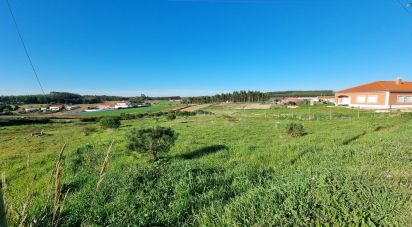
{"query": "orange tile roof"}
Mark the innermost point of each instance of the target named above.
(381, 86)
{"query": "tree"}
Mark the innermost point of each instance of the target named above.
(151, 140)
(110, 122)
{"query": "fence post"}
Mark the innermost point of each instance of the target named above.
(3, 213)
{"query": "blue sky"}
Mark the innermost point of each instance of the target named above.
(201, 47)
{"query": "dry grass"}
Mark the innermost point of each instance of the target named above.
(104, 166)
(196, 107)
(254, 106)
(58, 183)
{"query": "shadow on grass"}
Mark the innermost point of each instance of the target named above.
(302, 153)
(203, 151)
(353, 138)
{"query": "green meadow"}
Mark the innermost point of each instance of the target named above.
(139, 110)
(233, 168)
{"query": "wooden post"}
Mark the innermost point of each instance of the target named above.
(358, 112)
(3, 213)
(330, 114)
(309, 114)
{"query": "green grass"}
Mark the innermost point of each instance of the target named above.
(236, 167)
(107, 113)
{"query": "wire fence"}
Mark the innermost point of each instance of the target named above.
(316, 114)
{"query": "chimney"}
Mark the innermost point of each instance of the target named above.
(398, 80)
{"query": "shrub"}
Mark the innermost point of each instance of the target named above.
(151, 140)
(89, 119)
(295, 130)
(110, 122)
(171, 116)
(23, 121)
(88, 130)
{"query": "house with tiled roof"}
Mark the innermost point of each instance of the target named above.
(395, 94)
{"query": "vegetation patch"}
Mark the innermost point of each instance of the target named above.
(155, 140)
(23, 121)
(295, 129)
(110, 122)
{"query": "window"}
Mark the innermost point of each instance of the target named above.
(372, 99)
(360, 99)
(409, 99)
(401, 99)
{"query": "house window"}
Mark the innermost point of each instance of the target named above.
(401, 99)
(409, 99)
(360, 99)
(372, 99)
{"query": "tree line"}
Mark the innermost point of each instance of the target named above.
(66, 98)
(254, 96)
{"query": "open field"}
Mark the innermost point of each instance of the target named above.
(196, 107)
(118, 112)
(236, 167)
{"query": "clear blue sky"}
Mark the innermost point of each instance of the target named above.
(199, 47)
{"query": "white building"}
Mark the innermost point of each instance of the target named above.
(55, 108)
(71, 107)
(123, 105)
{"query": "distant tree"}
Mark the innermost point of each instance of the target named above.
(151, 140)
(110, 122)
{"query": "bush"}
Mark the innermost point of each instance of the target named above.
(171, 116)
(88, 130)
(89, 119)
(23, 121)
(110, 122)
(295, 130)
(151, 140)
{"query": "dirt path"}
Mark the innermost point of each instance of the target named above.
(254, 106)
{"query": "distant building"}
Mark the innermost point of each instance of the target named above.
(30, 110)
(377, 95)
(123, 105)
(330, 99)
(55, 108)
(105, 106)
(71, 107)
(291, 101)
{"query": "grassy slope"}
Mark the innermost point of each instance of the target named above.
(341, 166)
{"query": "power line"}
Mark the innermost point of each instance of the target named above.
(404, 7)
(24, 46)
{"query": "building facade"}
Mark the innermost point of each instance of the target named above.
(377, 95)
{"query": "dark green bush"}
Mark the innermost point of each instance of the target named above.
(89, 119)
(151, 140)
(110, 122)
(295, 129)
(23, 121)
(171, 116)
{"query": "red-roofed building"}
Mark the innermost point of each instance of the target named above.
(377, 95)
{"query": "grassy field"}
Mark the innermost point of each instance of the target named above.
(107, 113)
(236, 167)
